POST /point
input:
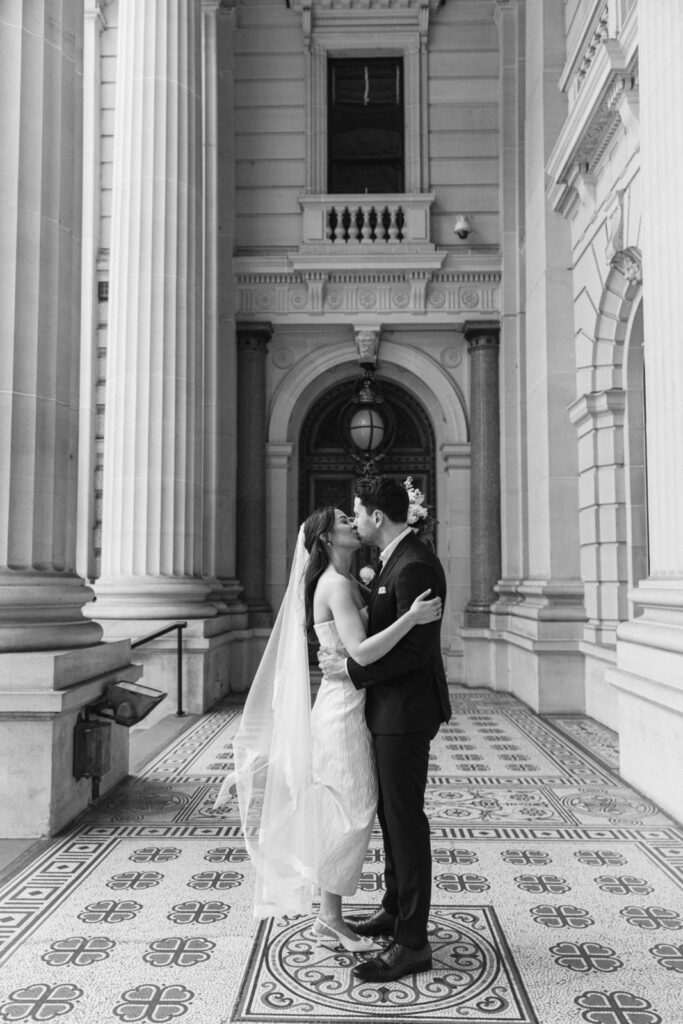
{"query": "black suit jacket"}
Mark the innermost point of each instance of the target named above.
(406, 689)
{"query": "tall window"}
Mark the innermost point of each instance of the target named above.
(365, 125)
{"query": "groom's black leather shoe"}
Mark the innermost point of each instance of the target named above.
(381, 923)
(395, 962)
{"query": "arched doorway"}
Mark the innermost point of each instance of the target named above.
(326, 471)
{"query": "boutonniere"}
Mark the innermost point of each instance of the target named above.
(367, 575)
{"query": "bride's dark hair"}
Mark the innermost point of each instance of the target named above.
(316, 531)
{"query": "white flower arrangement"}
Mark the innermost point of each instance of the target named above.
(367, 575)
(419, 519)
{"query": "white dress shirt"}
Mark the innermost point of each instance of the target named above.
(386, 553)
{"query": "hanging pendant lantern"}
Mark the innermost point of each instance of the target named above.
(366, 426)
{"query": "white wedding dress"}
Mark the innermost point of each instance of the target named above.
(344, 777)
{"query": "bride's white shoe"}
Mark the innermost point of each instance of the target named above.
(358, 944)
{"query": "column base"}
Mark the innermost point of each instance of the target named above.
(477, 615)
(479, 657)
(152, 598)
(41, 696)
(454, 664)
(536, 633)
(45, 613)
(259, 615)
(648, 678)
(601, 697)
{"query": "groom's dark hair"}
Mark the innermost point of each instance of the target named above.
(389, 496)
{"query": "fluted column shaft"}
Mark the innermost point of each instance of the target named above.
(41, 95)
(252, 344)
(483, 340)
(152, 529)
(660, 29)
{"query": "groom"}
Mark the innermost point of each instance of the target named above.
(406, 701)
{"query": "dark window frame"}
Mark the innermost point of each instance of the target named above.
(366, 125)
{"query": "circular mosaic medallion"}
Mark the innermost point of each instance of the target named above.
(469, 298)
(617, 807)
(466, 970)
(451, 357)
(367, 299)
(283, 358)
(298, 297)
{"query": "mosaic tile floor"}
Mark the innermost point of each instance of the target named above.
(557, 896)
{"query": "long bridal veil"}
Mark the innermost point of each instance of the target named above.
(272, 773)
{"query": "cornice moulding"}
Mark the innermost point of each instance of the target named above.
(334, 15)
(591, 125)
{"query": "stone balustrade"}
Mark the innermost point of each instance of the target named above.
(400, 220)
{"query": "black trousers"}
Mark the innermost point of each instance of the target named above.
(402, 763)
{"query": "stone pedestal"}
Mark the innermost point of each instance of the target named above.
(42, 695)
(252, 343)
(649, 670)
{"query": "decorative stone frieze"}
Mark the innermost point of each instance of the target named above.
(341, 296)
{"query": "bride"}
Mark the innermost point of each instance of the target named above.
(305, 779)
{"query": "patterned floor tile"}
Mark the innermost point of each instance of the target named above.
(473, 977)
(557, 895)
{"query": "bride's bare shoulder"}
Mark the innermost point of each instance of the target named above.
(333, 582)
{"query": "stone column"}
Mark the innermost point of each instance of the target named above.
(649, 669)
(94, 23)
(153, 557)
(483, 340)
(510, 18)
(541, 617)
(252, 344)
(220, 233)
(454, 551)
(48, 671)
(41, 90)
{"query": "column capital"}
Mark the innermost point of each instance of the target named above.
(481, 334)
(254, 334)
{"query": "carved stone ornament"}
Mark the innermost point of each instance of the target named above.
(367, 341)
(630, 263)
(577, 158)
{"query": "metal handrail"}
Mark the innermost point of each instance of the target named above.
(179, 627)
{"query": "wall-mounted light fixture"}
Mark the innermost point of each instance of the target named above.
(463, 225)
(366, 425)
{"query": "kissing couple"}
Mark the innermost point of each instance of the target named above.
(309, 783)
